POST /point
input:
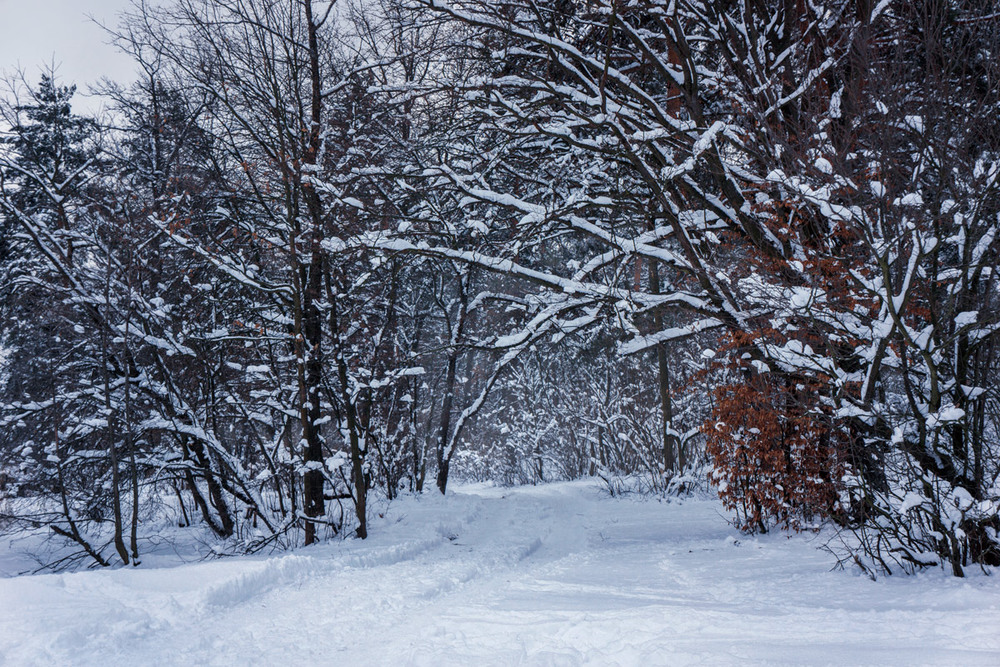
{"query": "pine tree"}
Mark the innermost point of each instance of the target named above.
(48, 148)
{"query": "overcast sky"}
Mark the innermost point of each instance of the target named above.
(34, 33)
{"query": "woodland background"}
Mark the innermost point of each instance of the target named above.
(320, 251)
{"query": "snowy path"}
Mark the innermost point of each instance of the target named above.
(554, 575)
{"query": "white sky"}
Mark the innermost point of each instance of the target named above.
(34, 33)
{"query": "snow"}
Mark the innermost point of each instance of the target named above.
(551, 575)
(966, 318)
(824, 165)
(910, 199)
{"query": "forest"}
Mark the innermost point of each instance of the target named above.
(320, 253)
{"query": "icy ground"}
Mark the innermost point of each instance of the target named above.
(554, 575)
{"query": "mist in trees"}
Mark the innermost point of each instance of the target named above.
(321, 250)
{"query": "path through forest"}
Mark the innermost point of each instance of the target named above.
(551, 575)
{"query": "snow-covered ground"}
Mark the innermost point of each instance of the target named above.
(552, 575)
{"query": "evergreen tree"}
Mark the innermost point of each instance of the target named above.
(48, 151)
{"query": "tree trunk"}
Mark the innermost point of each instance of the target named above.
(443, 456)
(313, 502)
(663, 372)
